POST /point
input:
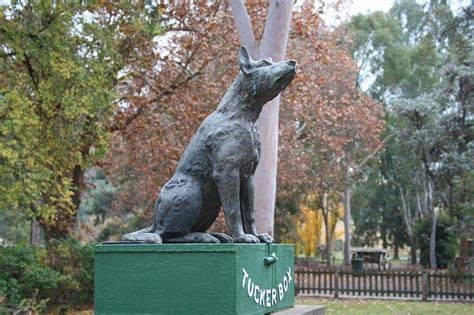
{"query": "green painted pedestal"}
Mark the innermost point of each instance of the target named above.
(193, 278)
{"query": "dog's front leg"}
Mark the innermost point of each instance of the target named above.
(247, 201)
(228, 184)
(247, 204)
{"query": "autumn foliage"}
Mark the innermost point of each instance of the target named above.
(325, 120)
(327, 125)
(163, 106)
(311, 227)
(184, 81)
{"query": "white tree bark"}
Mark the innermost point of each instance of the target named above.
(433, 263)
(409, 223)
(347, 216)
(243, 26)
(274, 42)
(325, 208)
(350, 170)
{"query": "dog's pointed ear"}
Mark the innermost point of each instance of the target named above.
(245, 62)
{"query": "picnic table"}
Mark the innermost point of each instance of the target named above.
(372, 256)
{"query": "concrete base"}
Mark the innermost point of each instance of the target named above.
(303, 310)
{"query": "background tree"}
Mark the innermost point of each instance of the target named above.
(187, 88)
(409, 54)
(59, 65)
(332, 125)
(273, 44)
(378, 214)
(309, 226)
(166, 102)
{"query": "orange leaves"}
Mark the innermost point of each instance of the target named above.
(324, 119)
(342, 124)
(180, 82)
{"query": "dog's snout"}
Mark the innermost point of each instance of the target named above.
(292, 63)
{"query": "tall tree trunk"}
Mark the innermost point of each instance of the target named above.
(412, 242)
(266, 173)
(383, 236)
(396, 248)
(419, 207)
(408, 219)
(433, 263)
(347, 216)
(78, 183)
(244, 27)
(327, 228)
(274, 42)
(35, 232)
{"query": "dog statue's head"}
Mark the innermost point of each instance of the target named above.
(265, 78)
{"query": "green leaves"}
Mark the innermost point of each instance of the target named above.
(58, 70)
(58, 276)
(19, 168)
(399, 48)
(421, 62)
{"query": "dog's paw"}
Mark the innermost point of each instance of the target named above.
(265, 238)
(246, 238)
(223, 238)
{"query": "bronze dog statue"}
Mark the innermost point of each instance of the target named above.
(217, 168)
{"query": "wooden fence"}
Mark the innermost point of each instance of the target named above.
(422, 285)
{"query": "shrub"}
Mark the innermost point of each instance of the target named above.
(22, 278)
(59, 276)
(75, 263)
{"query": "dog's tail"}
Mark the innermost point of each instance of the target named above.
(147, 236)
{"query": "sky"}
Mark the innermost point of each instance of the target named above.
(331, 17)
(363, 6)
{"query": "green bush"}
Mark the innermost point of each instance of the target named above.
(75, 263)
(59, 276)
(23, 279)
(446, 241)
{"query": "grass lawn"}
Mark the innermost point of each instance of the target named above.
(378, 307)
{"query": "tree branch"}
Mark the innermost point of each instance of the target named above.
(277, 27)
(244, 27)
(373, 153)
(173, 86)
(31, 71)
